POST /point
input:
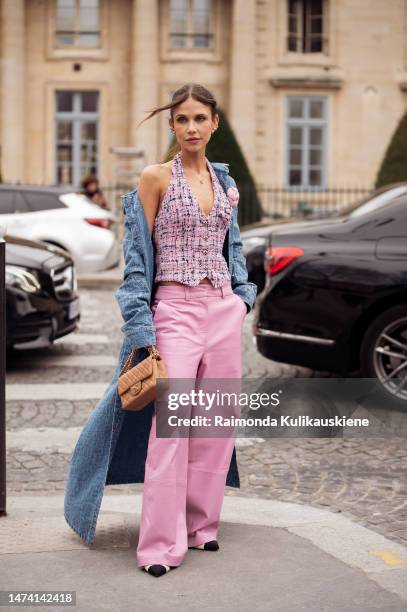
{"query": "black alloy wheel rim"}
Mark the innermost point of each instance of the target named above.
(390, 358)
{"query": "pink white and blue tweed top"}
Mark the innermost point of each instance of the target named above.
(188, 242)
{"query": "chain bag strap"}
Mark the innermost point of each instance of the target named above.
(151, 349)
(137, 386)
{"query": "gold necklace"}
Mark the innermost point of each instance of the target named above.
(201, 180)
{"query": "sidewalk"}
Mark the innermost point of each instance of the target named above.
(274, 556)
(98, 280)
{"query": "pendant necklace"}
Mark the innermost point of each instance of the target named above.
(201, 180)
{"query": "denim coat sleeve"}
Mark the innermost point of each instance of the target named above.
(238, 270)
(134, 294)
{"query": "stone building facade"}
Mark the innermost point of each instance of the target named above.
(313, 88)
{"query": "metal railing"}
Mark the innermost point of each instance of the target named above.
(277, 202)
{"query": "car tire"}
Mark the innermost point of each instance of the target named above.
(375, 360)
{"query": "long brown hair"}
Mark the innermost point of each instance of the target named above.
(194, 90)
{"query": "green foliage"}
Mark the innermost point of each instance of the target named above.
(394, 165)
(223, 147)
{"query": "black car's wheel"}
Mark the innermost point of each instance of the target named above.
(384, 351)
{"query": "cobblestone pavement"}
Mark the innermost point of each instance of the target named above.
(363, 478)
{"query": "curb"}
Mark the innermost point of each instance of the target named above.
(101, 280)
(105, 279)
(381, 560)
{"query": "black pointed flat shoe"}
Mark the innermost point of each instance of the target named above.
(157, 570)
(212, 545)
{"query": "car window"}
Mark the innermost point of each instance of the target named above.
(379, 200)
(20, 205)
(388, 221)
(41, 200)
(6, 202)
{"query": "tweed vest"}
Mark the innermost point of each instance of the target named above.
(188, 242)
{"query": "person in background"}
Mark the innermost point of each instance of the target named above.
(90, 188)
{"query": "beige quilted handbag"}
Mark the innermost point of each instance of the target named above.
(137, 386)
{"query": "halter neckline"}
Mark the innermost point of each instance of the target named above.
(178, 167)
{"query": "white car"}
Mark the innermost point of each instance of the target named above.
(62, 218)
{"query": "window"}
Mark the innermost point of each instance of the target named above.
(375, 201)
(37, 200)
(306, 26)
(6, 202)
(77, 120)
(191, 24)
(20, 204)
(77, 23)
(12, 202)
(306, 141)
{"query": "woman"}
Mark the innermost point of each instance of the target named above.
(198, 320)
(90, 188)
(185, 290)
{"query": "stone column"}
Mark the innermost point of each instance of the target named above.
(12, 90)
(145, 77)
(242, 95)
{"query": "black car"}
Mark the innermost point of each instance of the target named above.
(42, 303)
(254, 240)
(336, 296)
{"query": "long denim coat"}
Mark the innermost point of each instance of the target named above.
(112, 446)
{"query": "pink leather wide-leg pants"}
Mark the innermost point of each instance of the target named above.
(198, 332)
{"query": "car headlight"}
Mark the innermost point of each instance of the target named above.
(71, 274)
(251, 243)
(65, 279)
(24, 279)
(74, 280)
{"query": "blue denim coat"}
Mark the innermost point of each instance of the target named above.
(112, 446)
